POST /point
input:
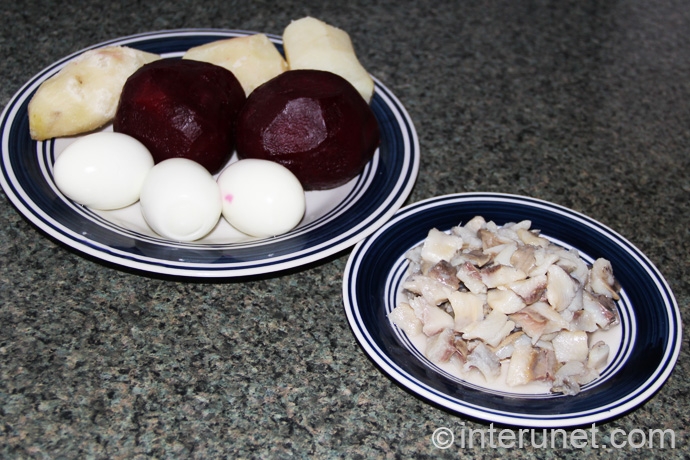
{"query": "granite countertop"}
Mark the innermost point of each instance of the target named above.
(581, 103)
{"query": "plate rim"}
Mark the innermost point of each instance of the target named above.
(365, 224)
(662, 370)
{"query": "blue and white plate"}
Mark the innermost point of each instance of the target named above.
(642, 360)
(334, 220)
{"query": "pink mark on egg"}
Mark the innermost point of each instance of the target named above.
(229, 197)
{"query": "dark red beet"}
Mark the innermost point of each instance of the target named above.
(182, 108)
(315, 123)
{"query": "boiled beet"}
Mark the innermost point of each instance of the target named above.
(182, 108)
(313, 122)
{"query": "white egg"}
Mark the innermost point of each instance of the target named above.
(103, 170)
(180, 200)
(261, 198)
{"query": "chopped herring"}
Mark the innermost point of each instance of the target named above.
(483, 296)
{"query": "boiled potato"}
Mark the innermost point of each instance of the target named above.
(253, 59)
(83, 95)
(312, 44)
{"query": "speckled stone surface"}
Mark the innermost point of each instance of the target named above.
(582, 103)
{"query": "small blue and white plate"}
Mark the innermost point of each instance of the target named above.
(334, 219)
(648, 341)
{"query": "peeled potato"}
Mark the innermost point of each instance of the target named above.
(84, 94)
(312, 44)
(253, 59)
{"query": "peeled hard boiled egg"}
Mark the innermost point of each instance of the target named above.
(261, 198)
(180, 200)
(103, 170)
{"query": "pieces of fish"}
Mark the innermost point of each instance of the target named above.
(483, 294)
